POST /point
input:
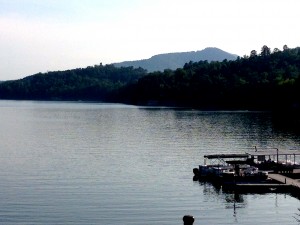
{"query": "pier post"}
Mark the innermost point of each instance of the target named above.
(277, 156)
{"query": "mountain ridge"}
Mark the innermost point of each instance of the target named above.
(175, 60)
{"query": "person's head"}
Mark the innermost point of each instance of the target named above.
(188, 220)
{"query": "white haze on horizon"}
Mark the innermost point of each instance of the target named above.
(50, 35)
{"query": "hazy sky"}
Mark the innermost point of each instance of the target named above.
(50, 35)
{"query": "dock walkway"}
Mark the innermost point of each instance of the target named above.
(285, 180)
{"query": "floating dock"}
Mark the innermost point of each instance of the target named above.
(278, 183)
(285, 180)
(280, 167)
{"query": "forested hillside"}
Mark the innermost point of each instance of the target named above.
(92, 83)
(268, 80)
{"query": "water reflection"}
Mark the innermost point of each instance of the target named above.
(231, 200)
(237, 203)
(297, 216)
(107, 164)
(226, 131)
(234, 201)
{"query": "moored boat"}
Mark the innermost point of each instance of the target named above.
(229, 168)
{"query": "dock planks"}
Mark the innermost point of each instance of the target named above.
(285, 180)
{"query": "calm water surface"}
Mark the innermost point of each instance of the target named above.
(92, 163)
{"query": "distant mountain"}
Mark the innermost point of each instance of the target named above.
(177, 60)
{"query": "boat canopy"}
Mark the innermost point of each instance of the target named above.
(272, 153)
(226, 156)
(259, 156)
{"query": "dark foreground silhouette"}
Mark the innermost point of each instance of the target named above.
(188, 220)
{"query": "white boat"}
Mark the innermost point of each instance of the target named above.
(220, 165)
(228, 167)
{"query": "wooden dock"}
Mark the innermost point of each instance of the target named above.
(282, 177)
(285, 180)
(278, 183)
(258, 187)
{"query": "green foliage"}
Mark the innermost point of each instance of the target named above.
(265, 81)
(92, 83)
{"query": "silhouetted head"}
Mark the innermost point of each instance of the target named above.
(188, 220)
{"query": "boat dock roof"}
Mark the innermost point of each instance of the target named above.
(272, 152)
(275, 152)
(226, 156)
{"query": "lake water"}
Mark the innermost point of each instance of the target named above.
(110, 164)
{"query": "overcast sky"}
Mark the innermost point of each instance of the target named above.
(50, 35)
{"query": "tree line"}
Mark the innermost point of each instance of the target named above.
(267, 80)
(96, 83)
